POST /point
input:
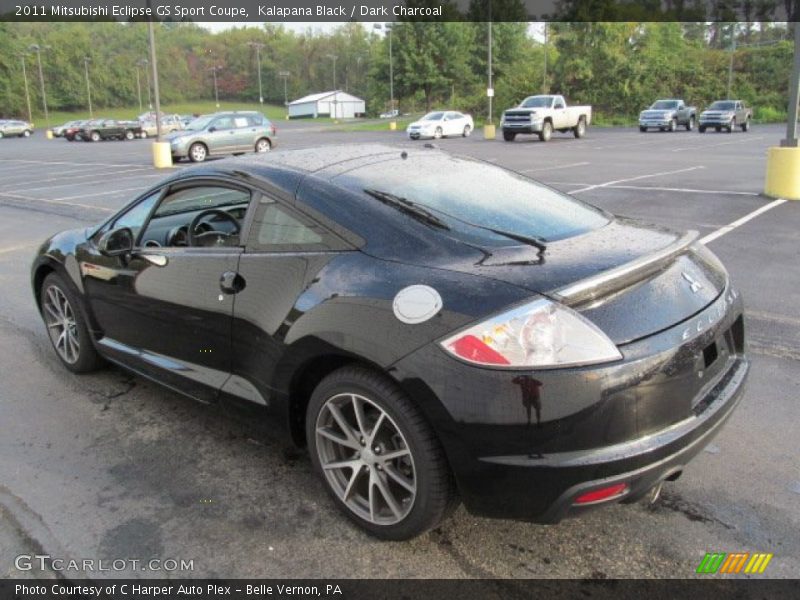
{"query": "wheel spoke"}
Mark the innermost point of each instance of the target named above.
(377, 426)
(342, 441)
(62, 339)
(342, 422)
(395, 454)
(358, 409)
(54, 302)
(391, 501)
(343, 464)
(400, 479)
(351, 484)
(52, 311)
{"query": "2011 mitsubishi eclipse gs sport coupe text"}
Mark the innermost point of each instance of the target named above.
(434, 328)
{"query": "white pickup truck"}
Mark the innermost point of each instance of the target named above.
(542, 115)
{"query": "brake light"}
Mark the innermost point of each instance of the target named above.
(607, 493)
(472, 349)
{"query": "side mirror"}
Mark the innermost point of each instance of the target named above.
(117, 242)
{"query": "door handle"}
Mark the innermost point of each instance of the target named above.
(158, 260)
(231, 283)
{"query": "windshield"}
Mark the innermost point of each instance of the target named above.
(664, 105)
(537, 102)
(434, 116)
(467, 195)
(722, 105)
(200, 123)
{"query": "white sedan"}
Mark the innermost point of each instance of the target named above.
(440, 123)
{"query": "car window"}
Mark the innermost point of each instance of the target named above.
(136, 216)
(240, 121)
(277, 228)
(223, 123)
(255, 120)
(558, 103)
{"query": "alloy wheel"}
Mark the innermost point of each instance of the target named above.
(262, 146)
(61, 324)
(366, 459)
(198, 152)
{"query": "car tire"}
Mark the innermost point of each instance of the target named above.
(579, 130)
(690, 124)
(547, 131)
(467, 131)
(732, 125)
(701, 129)
(642, 129)
(263, 145)
(62, 312)
(746, 125)
(509, 136)
(437, 135)
(129, 135)
(198, 152)
(94, 136)
(394, 499)
(673, 125)
(144, 135)
(26, 133)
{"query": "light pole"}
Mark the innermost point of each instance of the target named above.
(27, 91)
(144, 64)
(388, 27)
(544, 76)
(214, 70)
(38, 49)
(138, 87)
(285, 76)
(489, 90)
(730, 64)
(333, 57)
(258, 46)
(86, 61)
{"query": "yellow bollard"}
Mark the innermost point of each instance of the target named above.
(489, 132)
(162, 156)
(783, 173)
(48, 134)
(392, 125)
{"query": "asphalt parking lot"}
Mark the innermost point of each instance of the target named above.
(109, 465)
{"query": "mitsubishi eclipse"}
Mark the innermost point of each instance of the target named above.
(435, 329)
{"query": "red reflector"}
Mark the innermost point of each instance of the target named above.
(606, 493)
(473, 349)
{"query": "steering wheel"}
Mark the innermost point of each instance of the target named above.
(198, 238)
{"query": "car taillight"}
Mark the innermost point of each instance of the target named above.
(607, 493)
(539, 334)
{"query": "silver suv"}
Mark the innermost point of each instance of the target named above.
(223, 133)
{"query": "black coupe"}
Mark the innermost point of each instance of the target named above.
(434, 328)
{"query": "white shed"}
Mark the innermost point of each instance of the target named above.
(335, 104)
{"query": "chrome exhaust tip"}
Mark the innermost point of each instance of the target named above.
(655, 493)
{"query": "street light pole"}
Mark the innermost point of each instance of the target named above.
(138, 87)
(145, 63)
(335, 95)
(544, 76)
(388, 28)
(794, 95)
(27, 91)
(730, 64)
(490, 91)
(154, 64)
(36, 48)
(86, 61)
(214, 70)
(258, 46)
(285, 76)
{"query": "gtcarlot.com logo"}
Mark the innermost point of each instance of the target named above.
(734, 562)
(27, 562)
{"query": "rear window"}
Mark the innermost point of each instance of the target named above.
(468, 195)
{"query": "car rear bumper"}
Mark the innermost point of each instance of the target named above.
(527, 449)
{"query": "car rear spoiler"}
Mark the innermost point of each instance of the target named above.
(624, 275)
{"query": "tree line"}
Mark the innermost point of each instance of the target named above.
(617, 67)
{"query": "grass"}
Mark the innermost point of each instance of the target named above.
(273, 112)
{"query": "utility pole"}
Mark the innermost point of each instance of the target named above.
(490, 90)
(794, 92)
(544, 77)
(335, 95)
(27, 91)
(154, 64)
(258, 46)
(86, 61)
(388, 28)
(214, 70)
(730, 64)
(38, 49)
(285, 76)
(144, 63)
(138, 87)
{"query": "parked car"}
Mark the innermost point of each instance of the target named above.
(544, 114)
(727, 114)
(667, 115)
(60, 130)
(72, 132)
(186, 119)
(223, 133)
(390, 114)
(169, 123)
(419, 323)
(439, 124)
(13, 128)
(109, 129)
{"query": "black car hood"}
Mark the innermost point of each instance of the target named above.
(670, 288)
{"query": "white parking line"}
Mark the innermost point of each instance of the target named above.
(19, 247)
(739, 222)
(66, 181)
(681, 190)
(616, 181)
(59, 202)
(729, 142)
(577, 164)
(77, 164)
